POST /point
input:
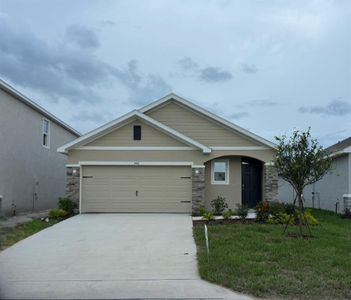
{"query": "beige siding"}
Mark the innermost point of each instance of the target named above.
(197, 157)
(231, 191)
(124, 137)
(198, 127)
(136, 189)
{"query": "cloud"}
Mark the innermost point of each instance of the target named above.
(262, 102)
(63, 72)
(251, 69)
(190, 68)
(92, 116)
(82, 36)
(238, 115)
(333, 108)
(187, 64)
(107, 23)
(214, 74)
(142, 87)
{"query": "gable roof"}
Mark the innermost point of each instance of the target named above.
(208, 114)
(19, 96)
(343, 146)
(110, 126)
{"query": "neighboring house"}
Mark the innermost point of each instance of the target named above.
(32, 173)
(169, 156)
(334, 188)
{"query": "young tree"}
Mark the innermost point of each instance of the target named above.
(301, 161)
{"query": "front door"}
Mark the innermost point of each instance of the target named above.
(251, 174)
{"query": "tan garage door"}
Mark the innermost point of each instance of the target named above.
(136, 189)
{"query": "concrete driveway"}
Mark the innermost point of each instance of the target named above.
(116, 256)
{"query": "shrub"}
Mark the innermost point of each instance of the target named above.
(57, 213)
(208, 216)
(242, 211)
(218, 205)
(276, 208)
(227, 214)
(202, 211)
(67, 204)
(281, 218)
(309, 218)
(262, 211)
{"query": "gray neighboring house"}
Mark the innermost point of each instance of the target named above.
(333, 191)
(32, 173)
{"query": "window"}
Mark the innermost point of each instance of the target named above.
(46, 133)
(137, 132)
(220, 172)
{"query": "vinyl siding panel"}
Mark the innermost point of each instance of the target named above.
(198, 127)
(136, 189)
(123, 137)
(231, 192)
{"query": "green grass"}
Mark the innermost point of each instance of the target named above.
(10, 236)
(257, 259)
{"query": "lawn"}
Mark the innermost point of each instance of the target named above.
(257, 259)
(10, 236)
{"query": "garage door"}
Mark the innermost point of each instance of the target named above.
(136, 189)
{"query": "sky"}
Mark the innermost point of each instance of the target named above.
(267, 66)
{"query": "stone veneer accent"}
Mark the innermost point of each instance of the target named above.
(270, 183)
(72, 183)
(198, 189)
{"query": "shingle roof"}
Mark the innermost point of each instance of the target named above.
(339, 145)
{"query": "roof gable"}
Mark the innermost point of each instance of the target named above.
(115, 124)
(215, 129)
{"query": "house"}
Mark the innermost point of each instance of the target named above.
(169, 156)
(333, 191)
(32, 173)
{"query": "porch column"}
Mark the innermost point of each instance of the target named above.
(270, 182)
(73, 183)
(198, 189)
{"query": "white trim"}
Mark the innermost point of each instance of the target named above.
(198, 166)
(208, 114)
(346, 195)
(110, 126)
(80, 188)
(136, 163)
(19, 96)
(105, 148)
(46, 133)
(213, 181)
(269, 163)
(72, 165)
(244, 148)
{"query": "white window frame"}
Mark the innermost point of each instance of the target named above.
(213, 181)
(47, 133)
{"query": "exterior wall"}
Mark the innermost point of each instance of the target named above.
(232, 191)
(199, 128)
(26, 167)
(270, 183)
(328, 191)
(195, 156)
(124, 137)
(198, 189)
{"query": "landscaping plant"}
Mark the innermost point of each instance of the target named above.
(227, 214)
(242, 211)
(262, 211)
(208, 216)
(218, 205)
(57, 213)
(301, 161)
(67, 204)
